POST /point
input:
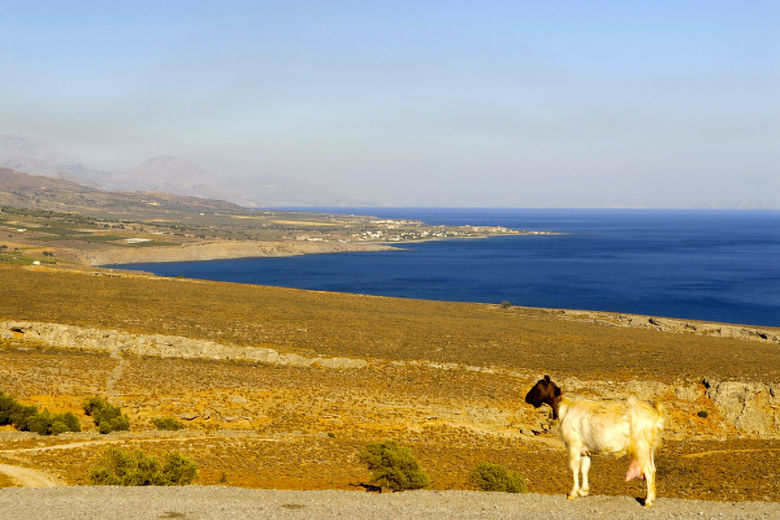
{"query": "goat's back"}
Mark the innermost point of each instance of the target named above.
(616, 427)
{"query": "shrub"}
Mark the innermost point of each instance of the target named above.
(178, 470)
(71, 421)
(28, 418)
(167, 423)
(107, 417)
(703, 414)
(93, 404)
(393, 466)
(23, 415)
(118, 467)
(41, 423)
(495, 477)
(8, 407)
(506, 304)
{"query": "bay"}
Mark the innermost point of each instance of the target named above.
(705, 265)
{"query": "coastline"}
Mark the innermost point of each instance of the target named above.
(202, 251)
(230, 250)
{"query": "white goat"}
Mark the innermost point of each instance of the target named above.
(615, 427)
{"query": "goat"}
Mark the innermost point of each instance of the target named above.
(613, 427)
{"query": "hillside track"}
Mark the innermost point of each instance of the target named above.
(28, 477)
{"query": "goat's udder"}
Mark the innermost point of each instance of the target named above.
(634, 471)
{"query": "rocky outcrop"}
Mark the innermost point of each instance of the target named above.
(753, 408)
(113, 341)
(695, 407)
(720, 330)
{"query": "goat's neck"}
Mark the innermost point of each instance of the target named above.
(555, 404)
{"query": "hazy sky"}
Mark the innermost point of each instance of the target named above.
(478, 103)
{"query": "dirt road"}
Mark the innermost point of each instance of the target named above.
(27, 477)
(214, 503)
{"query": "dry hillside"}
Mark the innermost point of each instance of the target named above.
(280, 388)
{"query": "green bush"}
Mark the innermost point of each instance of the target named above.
(107, 417)
(393, 466)
(23, 416)
(118, 467)
(28, 418)
(46, 423)
(167, 423)
(7, 408)
(495, 477)
(93, 404)
(178, 470)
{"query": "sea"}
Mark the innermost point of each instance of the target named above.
(704, 265)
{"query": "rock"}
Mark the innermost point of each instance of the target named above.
(687, 392)
(750, 407)
(158, 345)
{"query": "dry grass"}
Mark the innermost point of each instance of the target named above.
(301, 428)
(334, 324)
(258, 425)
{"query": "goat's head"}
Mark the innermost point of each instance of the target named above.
(544, 392)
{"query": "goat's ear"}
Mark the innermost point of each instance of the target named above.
(557, 391)
(547, 378)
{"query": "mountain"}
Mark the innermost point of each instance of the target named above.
(37, 192)
(12, 181)
(165, 174)
(168, 174)
(177, 175)
(276, 191)
(26, 155)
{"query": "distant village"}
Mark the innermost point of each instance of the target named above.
(388, 230)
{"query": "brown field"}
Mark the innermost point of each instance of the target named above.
(425, 385)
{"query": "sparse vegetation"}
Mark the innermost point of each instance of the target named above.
(118, 467)
(167, 423)
(29, 418)
(495, 477)
(393, 466)
(393, 400)
(107, 417)
(506, 304)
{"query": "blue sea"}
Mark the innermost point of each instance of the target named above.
(705, 265)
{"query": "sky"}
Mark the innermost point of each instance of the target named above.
(415, 103)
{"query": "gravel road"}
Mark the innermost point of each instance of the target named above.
(217, 503)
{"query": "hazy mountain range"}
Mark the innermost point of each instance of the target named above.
(167, 174)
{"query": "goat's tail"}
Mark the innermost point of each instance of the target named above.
(661, 411)
(658, 423)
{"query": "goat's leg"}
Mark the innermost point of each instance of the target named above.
(584, 466)
(649, 471)
(575, 460)
(644, 460)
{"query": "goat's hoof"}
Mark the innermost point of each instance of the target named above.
(584, 492)
(572, 496)
(648, 504)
